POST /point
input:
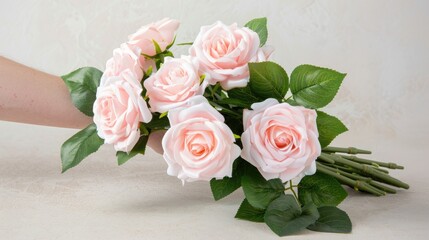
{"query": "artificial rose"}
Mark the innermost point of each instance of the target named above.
(123, 58)
(162, 32)
(224, 51)
(280, 140)
(174, 83)
(199, 145)
(263, 54)
(119, 109)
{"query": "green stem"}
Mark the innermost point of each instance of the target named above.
(293, 192)
(367, 170)
(356, 176)
(352, 170)
(289, 188)
(349, 175)
(225, 110)
(349, 150)
(380, 170)
(372, 162)
(356, 184)
(344, 168)
(382, 187)
(325, 157)
(213, 91)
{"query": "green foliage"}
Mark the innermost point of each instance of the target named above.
(223, 187)
(314, 87)
(250, 213)
(157, 47)
(79, 146)
(245, 95)
(268, 80)
(332, 219)
(157, 123)
(234, 102)
(258, 191)
(259, 25)
(140, 147)
(320, 189)
(328, 127)
(285, 217)
(82, 84)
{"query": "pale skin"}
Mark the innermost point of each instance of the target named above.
(31, 96)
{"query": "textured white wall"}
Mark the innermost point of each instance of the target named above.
(383, 46)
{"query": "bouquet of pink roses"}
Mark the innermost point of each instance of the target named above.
(226, 116)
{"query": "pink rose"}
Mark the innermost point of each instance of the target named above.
(263, 54)
(119, 109)
(174, 83)
(224, 51)
(199, 145)
(123, 58)
(280, 140)
(162, 32)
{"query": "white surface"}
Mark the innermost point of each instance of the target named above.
(383, 46)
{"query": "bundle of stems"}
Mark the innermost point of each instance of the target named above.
(359, 173)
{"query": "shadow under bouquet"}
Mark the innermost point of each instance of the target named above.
(226, 114)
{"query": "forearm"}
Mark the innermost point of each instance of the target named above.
(31, 96)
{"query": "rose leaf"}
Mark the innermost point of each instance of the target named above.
(79, 146)
(82, 84)
(314, 87)
(332, 219)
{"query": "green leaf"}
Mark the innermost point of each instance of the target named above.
(139, 148)
(223, 187)
(163, 114)
(148, 73)
(234, 101)
(314, 87)
(285, 217)
(235, 124)
(157, 122)
(167, 54)
(292, 102)
(259, 25)
(123, 157)
(79, 146)
(268, 80)
(332, 219)
(172, 43)
(244, 94)
(258, 191)
(157, 47)
(250, 213)
(328, 127)
(321, 189)
(82, 84)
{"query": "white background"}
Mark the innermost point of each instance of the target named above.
(383, 46)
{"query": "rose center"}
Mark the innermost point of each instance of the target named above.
(281, 137)
(198, 149)
(282, 140)
(178, 73)
(220, 47)
(198, 143)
